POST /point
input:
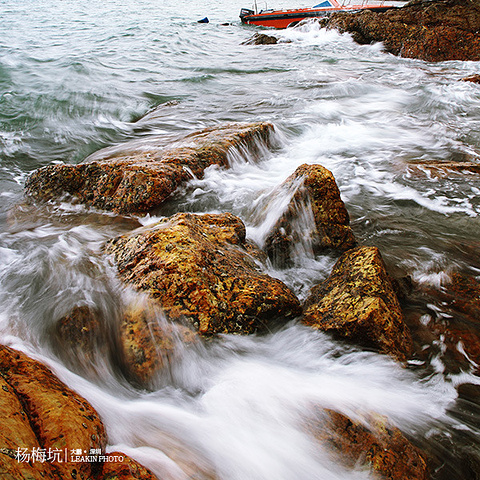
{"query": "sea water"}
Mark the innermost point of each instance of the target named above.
(79, 76)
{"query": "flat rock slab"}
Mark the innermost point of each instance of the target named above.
(357, 302)
(434, 31)
(201, 268)
(139, 179)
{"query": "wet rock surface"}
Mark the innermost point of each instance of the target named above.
(444, 169)
(374, 444)
(434, 31)
(261, 39)
(126, 469)
(44, 422)
(315, 215)
(139, 179)
(449, 324)
(199, 267)
(358, 303)
(60, 418)
(148, 343)
(472, 78)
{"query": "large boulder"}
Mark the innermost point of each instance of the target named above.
(428, 30)
(199, 267)
(61, 420)
(357, 302)
(139, 178)
(18, 441)
(374, 443)
(51, 432)
(315, 215)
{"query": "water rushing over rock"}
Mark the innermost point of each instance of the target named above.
(399, 136)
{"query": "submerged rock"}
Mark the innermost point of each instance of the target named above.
(375, 444)
(434, 31)
(357, 302)
(79, 336)
(140, 178)
(200, 267)
(315, 215)
(472, 78)
(261, 39)
(444, 169)
(148, 343)
(454, 335)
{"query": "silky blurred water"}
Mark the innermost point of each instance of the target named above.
(79, 76)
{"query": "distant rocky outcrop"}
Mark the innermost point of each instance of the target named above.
(315, 215)
(201, 268)
(357, 302)
(139, 178)
(434, 31)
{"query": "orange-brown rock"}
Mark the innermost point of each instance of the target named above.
(148, 342)
(128, 469)
(357, 302)
(198, 267)
(444, 169)
(17, 441)
(428, 30)
(79, 336)
(472, 78)
(315, 215)
(60, 418)
(463, 294)
(454, 337)
(375, 444)
(139, 179)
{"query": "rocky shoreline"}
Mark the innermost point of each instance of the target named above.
(429, 30)
(201, 272)
(204, 277)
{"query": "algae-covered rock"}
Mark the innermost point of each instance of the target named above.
(357, 302)
(315, 211)
(60, 418)
(139, 179)
(434, 31)
(199, 267)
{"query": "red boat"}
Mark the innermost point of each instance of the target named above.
(290, 18)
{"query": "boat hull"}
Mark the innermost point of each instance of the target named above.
(289, 18)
